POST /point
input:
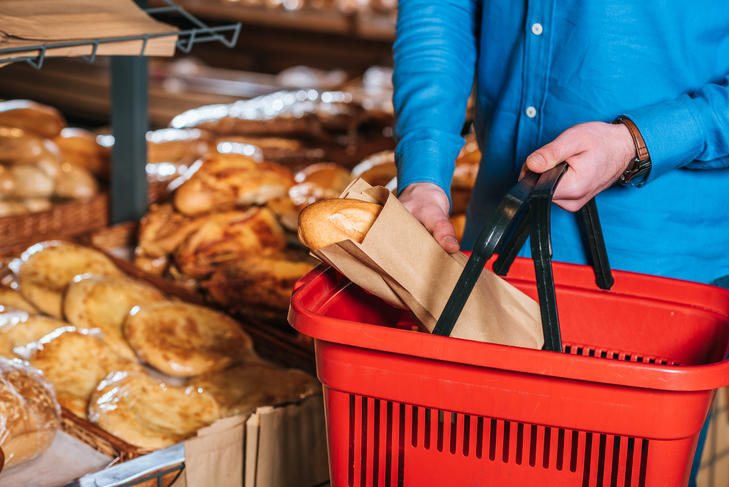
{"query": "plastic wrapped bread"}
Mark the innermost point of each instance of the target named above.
(29, 412)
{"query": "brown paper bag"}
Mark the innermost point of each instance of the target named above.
(215, 455)
(400, 262)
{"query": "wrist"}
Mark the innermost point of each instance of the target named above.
(638, 168)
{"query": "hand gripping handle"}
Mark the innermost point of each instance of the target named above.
(525, 211)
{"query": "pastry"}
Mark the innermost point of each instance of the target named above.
(80, 148)
(75, 182)
(331, 221)
(228, 236)
(318, 182)
(33, 117)
(75, 361)
(104, 303)
(183, 340)
(378, 169)
(20, 147)
(45, 269)
(287, 213)
(13, 299)
(259, 282)
(18, 329)
(29, 412)
(162, 230)
(226, 181)
(243, 388)
(148, 413)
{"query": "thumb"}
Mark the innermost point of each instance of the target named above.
(551, 154)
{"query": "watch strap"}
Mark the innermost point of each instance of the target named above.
(640, 166)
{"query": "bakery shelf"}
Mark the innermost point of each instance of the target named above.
(371, 26)
(197, 32)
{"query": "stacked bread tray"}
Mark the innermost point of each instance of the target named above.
(95, 435)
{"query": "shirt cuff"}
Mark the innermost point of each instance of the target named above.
(672, 133)
(428, 156)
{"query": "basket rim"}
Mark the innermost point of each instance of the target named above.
(687, 378)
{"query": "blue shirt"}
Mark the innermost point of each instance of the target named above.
(540, 68)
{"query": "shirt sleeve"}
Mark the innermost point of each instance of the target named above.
(690, 131)
(435, 55)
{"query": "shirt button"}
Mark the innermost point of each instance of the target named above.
(537, 29)
(531, 112)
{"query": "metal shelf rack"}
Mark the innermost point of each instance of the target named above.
(129, 118)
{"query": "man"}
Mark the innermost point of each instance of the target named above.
(549, 80)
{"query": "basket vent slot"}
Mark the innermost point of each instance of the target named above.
(587, 351)
(381, 433)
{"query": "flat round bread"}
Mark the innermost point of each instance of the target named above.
(148, 413)
(75, 361)
(13, 299)
(104, 303)
(45, 269)
(183, 340)
(243, 388)
(18, 329)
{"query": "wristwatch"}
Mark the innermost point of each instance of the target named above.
(637, 171)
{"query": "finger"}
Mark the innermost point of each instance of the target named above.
(566, 145)
(438, 224)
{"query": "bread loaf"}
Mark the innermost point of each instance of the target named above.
(331, 221)
(29, 411)
(40, 119)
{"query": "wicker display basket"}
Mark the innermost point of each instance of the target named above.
(63, 219)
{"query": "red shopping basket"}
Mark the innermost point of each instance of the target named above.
(623, 406)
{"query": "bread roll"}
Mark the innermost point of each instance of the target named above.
(331, 221)
(29, 412)
(33, 117)
(104, 303)
(148, 413)
(243, 388)
(317, 182)
(258, 282)
(378, 169)
(19, 147)
(45, 269)
(80, 148)
(75, 361)
(183, 339)
(226, 181)
(32, 182)
(76, 183)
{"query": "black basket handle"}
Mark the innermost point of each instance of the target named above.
(525, 211)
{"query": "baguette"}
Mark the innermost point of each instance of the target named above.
(331, 221)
